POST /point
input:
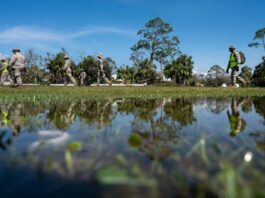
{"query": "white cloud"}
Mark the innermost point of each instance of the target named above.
(27, 34)
(98, 30)
(21, 33)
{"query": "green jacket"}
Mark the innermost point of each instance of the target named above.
(234, 60)
(4, 68)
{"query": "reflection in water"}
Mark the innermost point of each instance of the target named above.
(154, 120)
(95, 112)
(237, 123)
(180, 110)
(216, 106)
(259, 104)
(259, 136)
(167, 143)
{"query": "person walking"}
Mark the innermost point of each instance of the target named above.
(67, 69)
(4, 72)
(233, 64)
(82, 77)
(101, 72)
(17, 63)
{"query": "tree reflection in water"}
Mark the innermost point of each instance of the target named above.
(157, 128)
(158, 123)
(259, 136)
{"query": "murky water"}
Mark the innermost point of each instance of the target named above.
(132, 147)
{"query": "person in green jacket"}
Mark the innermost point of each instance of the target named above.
(233, 64)
(4, 72)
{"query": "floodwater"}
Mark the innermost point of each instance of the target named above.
(184, 147)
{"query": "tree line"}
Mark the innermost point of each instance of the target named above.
(155, 57)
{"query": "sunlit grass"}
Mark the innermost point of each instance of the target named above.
(72, 93)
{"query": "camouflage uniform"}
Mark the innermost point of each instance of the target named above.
(67, 69)
(82, 77)
(101, 70)
(17, 63)
(5, 74)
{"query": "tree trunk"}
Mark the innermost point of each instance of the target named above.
(150, 63)
(162, 73)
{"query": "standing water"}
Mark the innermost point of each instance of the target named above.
(134, 147)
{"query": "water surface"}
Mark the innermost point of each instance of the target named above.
(128, 147)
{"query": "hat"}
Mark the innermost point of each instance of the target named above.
(3, 58)
(66, 57)
(100, 56)
(231, 47)
(16, 50)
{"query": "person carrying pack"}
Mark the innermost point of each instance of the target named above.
(82, 77)
(101, 71)
(236, 58)
(17, 63)
(4, 72)
(67, 69)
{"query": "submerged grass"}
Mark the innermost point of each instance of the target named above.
(45, 93)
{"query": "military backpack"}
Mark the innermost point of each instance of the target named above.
(242, 58)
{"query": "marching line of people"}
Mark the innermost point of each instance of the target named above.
(17, 64)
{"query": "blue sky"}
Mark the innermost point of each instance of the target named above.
(205, 27)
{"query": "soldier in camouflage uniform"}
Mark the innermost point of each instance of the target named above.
(4, 72)
(17, 63)
(82, 77)
(67, 69)
(101, 70)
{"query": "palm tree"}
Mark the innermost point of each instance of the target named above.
(180, 69)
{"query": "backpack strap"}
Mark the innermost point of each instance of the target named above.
(238, 57)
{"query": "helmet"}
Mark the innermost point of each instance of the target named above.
(231, 47)
(66, 57)
(16, 50)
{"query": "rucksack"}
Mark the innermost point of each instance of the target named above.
(242, 58)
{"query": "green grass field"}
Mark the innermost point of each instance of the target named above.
(72, 93)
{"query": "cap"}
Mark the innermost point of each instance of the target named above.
(231, 47)
(66, 57)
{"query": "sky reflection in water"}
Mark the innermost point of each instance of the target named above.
(147, 142)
